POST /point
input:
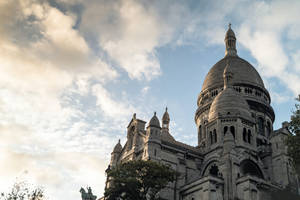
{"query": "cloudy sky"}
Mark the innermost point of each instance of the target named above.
(72, 73)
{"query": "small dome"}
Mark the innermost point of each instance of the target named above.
(229, 102)
(154, 122)
(118, 148)
(166, 117)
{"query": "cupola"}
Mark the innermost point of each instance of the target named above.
(154, 122)
(230, 42)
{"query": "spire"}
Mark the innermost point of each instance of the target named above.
(230, 42)
(227, 75)
(166, 120)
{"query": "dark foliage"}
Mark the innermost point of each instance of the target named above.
(138, 180)
(293, 141)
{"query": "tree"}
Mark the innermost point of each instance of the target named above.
(22, 191)
(293, 141)
(138, 180)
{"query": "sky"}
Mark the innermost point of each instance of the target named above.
(73, 72)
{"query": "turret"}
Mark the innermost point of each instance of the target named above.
(153, 143)
(153, 129)
(116, 154)
(166, 121)
(227, 76)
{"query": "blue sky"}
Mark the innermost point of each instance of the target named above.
(73, 72)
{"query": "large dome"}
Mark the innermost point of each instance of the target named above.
(244, 79)
(244, 73)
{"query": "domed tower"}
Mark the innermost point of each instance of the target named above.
(250, 97)
(165, 121)
(116, 154)
(153, 141)
(230, 42)
(234, 119)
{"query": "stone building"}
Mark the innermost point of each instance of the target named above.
(238, 156)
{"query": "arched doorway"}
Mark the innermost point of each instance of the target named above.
(248, 167)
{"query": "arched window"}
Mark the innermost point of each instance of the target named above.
(269, 128)
(261, 126)
(251, 168)
(211, 137)
(245, 135)
(214, 170)
(215, 135)
(200, 133)
(232, 130)
(249, 136)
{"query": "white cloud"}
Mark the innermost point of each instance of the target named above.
(266, 39)
(42, 123)
(129, 32)
(112, 108)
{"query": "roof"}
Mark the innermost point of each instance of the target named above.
(229, 102)
(154, 122)
(166, 117)
(170, 141)
(118, 148)
(229, 33)
(244, 73)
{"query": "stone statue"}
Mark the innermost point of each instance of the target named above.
(87, 196)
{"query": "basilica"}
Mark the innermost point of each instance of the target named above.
(238, 157)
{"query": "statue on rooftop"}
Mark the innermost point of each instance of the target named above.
(87, 195)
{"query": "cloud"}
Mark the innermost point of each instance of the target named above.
(267, 38)
(130, 32)
(46, 67)
(110, 107)
(57, 117)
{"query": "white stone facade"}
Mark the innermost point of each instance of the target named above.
(238, 156)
